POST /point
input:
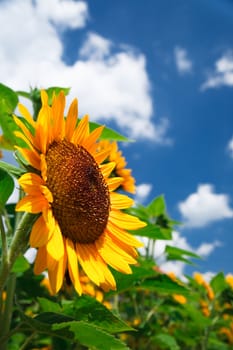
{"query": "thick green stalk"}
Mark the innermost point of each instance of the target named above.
(7, 312)
(4, 242)
(18, 246)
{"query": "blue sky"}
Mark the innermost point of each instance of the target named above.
(161, 72)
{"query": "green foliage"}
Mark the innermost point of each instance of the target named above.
(218, 283)
(6, 187)
(174, 253)
(21, 265)
(159, 224)
(89, 310)
(8, 103)
(11, 169)
(165, 341)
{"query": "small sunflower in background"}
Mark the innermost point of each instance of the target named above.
(115, 155)
(80, 223)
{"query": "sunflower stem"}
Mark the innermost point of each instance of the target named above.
(4, 242)
(7, 314)
(18, 246)
(21, 237)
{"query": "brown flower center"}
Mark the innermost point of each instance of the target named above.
(81, 200)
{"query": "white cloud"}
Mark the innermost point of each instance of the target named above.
(95, 47)
(230, 147)
(142, 192)
(30, 255)
(110, 84)
(205, 249)
(183, 63)
(207, 276)
(178, 241)
(205, 207)
(14, 197)
(65, 13)
(176, 267)
(222, 74)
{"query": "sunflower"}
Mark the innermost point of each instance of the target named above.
(80, 220)
(115, 155)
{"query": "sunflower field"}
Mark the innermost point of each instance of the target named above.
(77, 256)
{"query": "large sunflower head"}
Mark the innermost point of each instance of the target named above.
(80, 221)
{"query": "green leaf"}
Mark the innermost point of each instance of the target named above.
(196, 315)
(109, 134)
(154, 232)
(217, 344)
(166, 341)
(86, 309)
(134, 280)
(163, 284)
(24, 94)
(174, 253)
(90, 310)
(179, 251)
(11, 169)
(8, 103)
(8, 99)
(56, 90)
(66, 327)
(218, 283)
(140, 211)
(89, 335)
(157, 207)
(48, 305)
(6, 187)
(21, 265)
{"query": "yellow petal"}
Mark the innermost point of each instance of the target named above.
(46, 192)
(40, 233)
(24, 130)
(43, 129)
(120, 248)
(55, 246)
(82, 131)
(101, 156)
(44, 98)
(41, 261)
(71, 120)
(56, 275)
(107, 169)
(114, 182)
(90, 142)
(31, 156)
(58, 106)
(109, 281)
(32, 204)
(27, 115)
(30, 182)
(43, 167)
(126, 248)
(125, 221)
(120, 201)
(123, 235)
(86, 255)
(73, 265)
(111, 257)
(21, 136)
